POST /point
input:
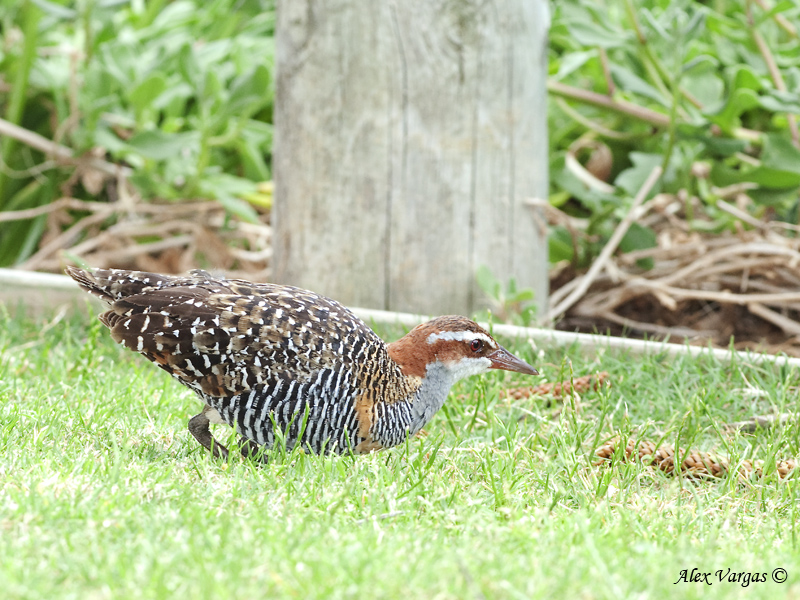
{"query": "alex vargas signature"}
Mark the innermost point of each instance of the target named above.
(743, 578)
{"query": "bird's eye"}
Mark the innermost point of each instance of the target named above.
(476, 345)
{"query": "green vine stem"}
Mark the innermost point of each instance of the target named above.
(30, 16)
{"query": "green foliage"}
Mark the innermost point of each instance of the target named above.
(181, 91)
(692, 91)
(509, 305)
(105, 494)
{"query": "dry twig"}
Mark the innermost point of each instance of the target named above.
(702, 286)
(61, 153)
(147, 236)
(609, 248)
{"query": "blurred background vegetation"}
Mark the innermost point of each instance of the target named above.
(708, 90)
(180, 94)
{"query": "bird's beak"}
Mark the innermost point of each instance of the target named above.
(503, 359)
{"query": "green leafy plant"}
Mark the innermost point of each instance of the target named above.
(179, 91)
(509, 304)
(707, 91)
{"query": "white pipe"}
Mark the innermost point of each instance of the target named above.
(34, 279)
(10, 278)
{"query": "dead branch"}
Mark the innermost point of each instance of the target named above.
(609, 248)
(59, 152)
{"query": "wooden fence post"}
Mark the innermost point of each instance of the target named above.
(408, 135)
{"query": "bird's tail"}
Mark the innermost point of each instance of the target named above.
(110, 285)
(89, 283)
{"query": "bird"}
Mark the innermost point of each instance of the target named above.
(278, 362)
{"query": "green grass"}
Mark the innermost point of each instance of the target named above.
(106, 495)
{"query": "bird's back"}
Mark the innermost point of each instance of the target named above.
(260, 355)
(223, 337)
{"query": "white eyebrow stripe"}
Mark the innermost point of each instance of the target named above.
(461, 336)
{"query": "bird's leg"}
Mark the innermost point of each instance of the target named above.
(250, 450)
(198, 427)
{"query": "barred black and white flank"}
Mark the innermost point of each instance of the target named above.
(265, 356)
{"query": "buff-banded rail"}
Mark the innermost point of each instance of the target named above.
(264, 357)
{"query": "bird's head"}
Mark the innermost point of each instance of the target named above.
(456, 343)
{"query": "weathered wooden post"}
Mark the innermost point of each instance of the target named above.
(408, 135)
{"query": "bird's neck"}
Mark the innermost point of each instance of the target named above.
(430, 396)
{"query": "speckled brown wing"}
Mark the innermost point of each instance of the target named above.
(224, 337)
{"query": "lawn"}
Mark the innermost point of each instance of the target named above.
(106, 495)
